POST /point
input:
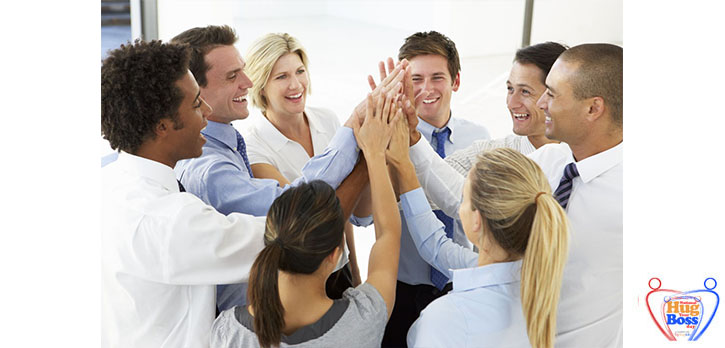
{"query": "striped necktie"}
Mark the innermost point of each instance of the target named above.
(566, 184)
(242, 149)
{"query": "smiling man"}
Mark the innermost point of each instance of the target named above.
(163, 250)
(222, 176)
(583, 108)
(435, 70)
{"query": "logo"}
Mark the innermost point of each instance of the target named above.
(682, 315)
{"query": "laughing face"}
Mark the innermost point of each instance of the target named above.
(525, 86)
(565, 114)
(286, 88)
(227, 87)
(430, 74)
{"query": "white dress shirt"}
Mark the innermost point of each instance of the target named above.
(266, 144)
(163, 252)
(590, 307)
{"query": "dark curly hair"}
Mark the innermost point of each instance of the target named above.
(432, 42)
(202, 40)
(138, 89)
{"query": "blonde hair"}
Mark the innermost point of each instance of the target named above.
(261, 57)
(506, 188)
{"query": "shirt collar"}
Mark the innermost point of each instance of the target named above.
(270, 133)
(427, 129)
(144, 167)
(593, 166)
(222, 132)
(488, 275)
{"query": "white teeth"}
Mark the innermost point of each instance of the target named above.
(548, 118)
(240, 99)
(521, 116)
(298, 95)
(429, 101)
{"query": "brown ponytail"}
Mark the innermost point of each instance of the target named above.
(264, 296)
(304, 225)
(506, 188)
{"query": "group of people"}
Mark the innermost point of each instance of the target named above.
(212, 237)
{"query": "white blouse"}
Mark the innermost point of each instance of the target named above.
(266, 144)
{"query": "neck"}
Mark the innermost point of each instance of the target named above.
(490, 252)
(293, 126)
(540, 140)
(593, 145)
(219, 119)
(438, 121)
(151, 151)
(304, 299)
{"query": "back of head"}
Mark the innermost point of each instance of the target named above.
(304, 225)
(261, 57)
(203, 40)
(432, 42)
(541, 55)
(514, 198)
(599, 74)
(138, 89)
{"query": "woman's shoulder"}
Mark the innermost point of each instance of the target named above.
(323, 117)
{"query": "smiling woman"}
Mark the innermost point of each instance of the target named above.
(289, 133)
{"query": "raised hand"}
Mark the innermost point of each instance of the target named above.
(397, 152)
(373, 136)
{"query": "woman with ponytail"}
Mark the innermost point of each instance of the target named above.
(506, 295)
(288, 305)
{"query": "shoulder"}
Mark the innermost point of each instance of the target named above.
(228, 332)
(367, 300)
(471, 129)
(323, 117)
(551, 154)
(441, 323)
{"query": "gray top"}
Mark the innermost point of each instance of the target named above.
(356, 320)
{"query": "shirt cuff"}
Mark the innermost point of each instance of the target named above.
(344, 139)
(421, 154)
(361, 221)
(414, 202)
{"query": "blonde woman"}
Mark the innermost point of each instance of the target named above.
(507, 294)
(289, 132)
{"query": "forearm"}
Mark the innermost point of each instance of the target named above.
(349, 191)
(441, 183)
(364, 205)
(352, 257)
(383, 198)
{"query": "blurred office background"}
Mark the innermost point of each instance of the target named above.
(346, 38)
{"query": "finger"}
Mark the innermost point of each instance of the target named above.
(371, 82)
(393, 83)
(386, 108)
(381, 70)
(392, 76)
(391, 64)
(379, 105)
(369, 108)
(422, 95)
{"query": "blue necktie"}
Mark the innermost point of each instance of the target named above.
(563, 192)
(436, 277)
(242, 149)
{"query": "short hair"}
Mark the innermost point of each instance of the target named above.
(261, 57)
(599, 74)
(432, 42)
(203, 40)
(541, 55)
(138, 89)
(305, 224)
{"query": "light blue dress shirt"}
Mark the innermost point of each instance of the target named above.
(220, 178)
(484, 307)
(412, 269)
